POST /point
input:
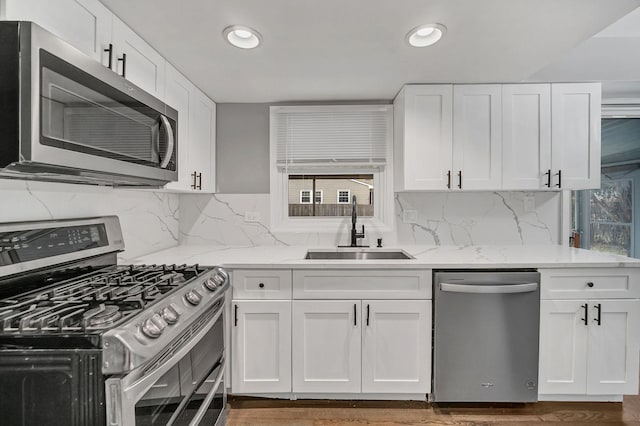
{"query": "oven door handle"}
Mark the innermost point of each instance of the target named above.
(207, 400)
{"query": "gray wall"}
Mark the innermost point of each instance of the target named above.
(242, 148)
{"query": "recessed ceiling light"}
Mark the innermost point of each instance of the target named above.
(425, 35)
(242, 37)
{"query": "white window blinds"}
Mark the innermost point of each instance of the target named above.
(309, 136)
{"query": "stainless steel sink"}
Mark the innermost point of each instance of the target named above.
(361, 254)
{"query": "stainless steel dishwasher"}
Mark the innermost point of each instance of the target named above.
(486, 336)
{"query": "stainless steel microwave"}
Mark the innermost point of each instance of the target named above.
(66, 117)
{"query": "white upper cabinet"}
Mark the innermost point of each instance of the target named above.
(526, 136)
(423, 137)
(477, 136)
(178, 94)
(202, 142)
(136, 61)
(493, 137)
(86, 24)
(575, 118)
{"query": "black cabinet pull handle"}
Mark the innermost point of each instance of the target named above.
(559, 174)
(586, 314)
(599, 310)
(548, 174)
(200, 181)
(261, 285)
(124, 64)
(193, 185)
(449, 179)
(110, 51)
(367, 315)
(235, 315)
(460, 179)
(589, 284)
(355, 313)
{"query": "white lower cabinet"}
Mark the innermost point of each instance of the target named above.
(396, 346)
(261, 346)
(368, 346)
(326, 342)
(589, 347)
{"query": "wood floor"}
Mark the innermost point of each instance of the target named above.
(254, 411)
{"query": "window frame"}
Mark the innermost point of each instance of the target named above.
(348, 191)
(383, 217)
(301, 195)
(321, 193)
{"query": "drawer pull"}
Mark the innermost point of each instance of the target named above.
(589, 284)
(261, 285)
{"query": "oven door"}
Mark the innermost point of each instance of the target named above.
(188, 389)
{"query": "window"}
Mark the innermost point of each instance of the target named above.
(305, 196)
(333, 152)
(344, 196)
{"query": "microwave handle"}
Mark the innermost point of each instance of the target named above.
(170, 142)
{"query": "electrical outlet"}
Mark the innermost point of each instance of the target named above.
(529, 203)
(252, 216)
(410, 216)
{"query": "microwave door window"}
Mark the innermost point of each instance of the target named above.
(79, 118)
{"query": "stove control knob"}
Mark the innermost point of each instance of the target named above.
(170, 315)
(220, 277)
(152, 327)
(210, 284)
(193, 297)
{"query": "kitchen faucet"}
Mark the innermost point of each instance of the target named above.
(354, 217)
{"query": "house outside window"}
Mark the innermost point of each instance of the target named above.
(318, 199)
(344, 196)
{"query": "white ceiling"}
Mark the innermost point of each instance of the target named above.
(335, 50)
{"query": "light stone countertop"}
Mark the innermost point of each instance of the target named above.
(436, 257)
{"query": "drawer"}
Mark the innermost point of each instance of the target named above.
(362, 284)
(261, 283)
(590, 283)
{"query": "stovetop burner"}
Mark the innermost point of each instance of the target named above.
(92, 302)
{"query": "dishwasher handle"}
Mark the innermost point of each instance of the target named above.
(489, 289)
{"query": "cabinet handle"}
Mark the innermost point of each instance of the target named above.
(367, 315)
(586, 314)
(200, 181)
(590, 284)
(460, 179)
(110, 51)
(548, 174)
(261, 285)
(355, 313)
(235, 315)
(193, 185)
(449, 179)
(599, 310)
(559, 174)
(124, 64)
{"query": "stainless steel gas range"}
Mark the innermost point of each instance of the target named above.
(84, 341)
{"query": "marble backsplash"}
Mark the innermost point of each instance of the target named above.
(149, 220)
(471, 218)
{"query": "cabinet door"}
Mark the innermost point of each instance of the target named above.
(202, 141)
(423, 145)
(326, 346)
(85, 24)
(261, 346)
(144, 67)
(612, 367)
(563, 347)
(477, 136)
(575, 137)
(526, 135)
(396, 346)
(178, 94)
